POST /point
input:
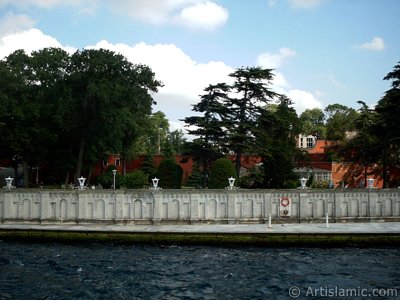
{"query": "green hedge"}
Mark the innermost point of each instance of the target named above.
(221, 170)
(170, 174)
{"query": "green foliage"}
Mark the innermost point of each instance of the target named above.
(195, 179)
(148, 167)
(106, 180)
(209, 128)
(310, 181)
(291, 184)
(276, 135)
(170, 174)
(136, 180)
(320, 185)
(253, 180)
(340, 119)
(251, 87)
(86, 104)
(221, 170)
(313, 123)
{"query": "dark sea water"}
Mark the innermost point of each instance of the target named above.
(112, 271)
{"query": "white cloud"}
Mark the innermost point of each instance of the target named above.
(303, 100)
(12, 23)
(40, 3)
(183, 78)
(377, 44)
(207, 15)
(305, 3)
(29, 40)
(273, 61)
(195, 14)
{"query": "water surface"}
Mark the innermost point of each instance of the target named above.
(111, 271)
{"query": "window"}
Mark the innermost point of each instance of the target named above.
(310, 142)
(117, 162)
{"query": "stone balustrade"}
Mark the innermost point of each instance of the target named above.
(196, 206)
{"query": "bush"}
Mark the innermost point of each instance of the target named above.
(253, 180)
(170, 174)
(136, 180)
(107, 179)
(291, 184)
(148, 168)
(195, 179)
(221, 170)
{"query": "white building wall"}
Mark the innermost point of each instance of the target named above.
(195, 206)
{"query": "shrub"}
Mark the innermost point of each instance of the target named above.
(107, 179)
(291, 184)
(148, 168)
(170, 174)
(221, 170)
(136, 179)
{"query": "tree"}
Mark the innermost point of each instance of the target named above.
(110, 99)
(364, 147)
(388, 129)
(177, 141)
(170, 174)
(30, 104)
(278, 129)
(136, 179)
(221, 170)
(251, 86)
(340, 119)
(209, 128)
(313, 123)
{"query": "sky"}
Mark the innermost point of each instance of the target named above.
(321, 51)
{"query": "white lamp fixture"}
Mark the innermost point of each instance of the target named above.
(9, 181)
(82, 182)
(303, 182)
(231, 181)
(371, 183)
(155, 184)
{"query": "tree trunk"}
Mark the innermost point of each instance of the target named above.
(365, 175)
(66, 182)
(238, 162)
(80, 159)
(26, 174)
(89, 174)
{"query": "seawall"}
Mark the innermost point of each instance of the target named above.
(197, 206)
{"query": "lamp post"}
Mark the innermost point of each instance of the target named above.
(82, 182)
(9, 181)
(371, 183)
(303, 182)
(155, 184)
(231, 181)
(114, 173)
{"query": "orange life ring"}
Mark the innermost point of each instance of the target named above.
(285, 201)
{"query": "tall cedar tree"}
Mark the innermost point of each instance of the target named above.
(251, 87)
(388, 129)
(276, 134)
(210, 128)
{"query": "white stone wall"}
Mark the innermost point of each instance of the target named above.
(196, 206)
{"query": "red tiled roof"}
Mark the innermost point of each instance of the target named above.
(320, 147)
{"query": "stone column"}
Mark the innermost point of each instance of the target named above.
(231, 204)
(44, 205)
(157, 206)
(119, 198)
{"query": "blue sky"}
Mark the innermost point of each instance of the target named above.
(323, 51)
